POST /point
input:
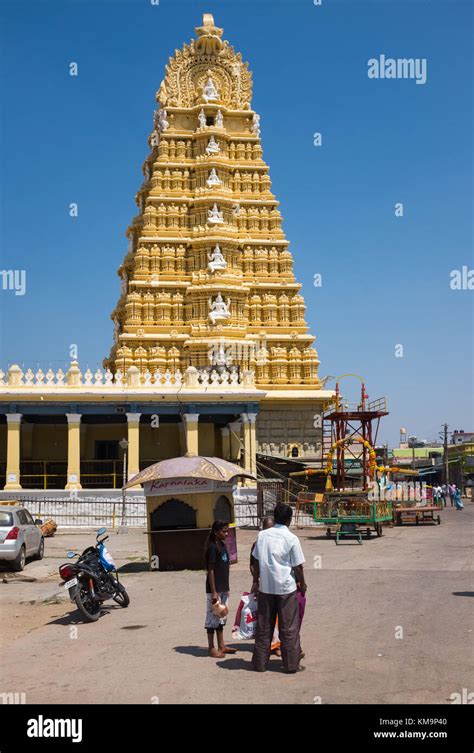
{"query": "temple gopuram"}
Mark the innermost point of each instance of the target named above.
(211, 352)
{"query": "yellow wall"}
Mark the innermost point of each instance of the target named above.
(93, 432)
(206, 440)
(48, 442)
(168, 437)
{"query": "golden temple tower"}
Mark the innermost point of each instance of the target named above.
(208, 278)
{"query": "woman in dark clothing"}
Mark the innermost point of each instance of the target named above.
(217, 587)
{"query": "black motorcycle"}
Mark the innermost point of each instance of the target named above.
(93, 579)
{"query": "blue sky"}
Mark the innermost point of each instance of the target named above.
(386, 279)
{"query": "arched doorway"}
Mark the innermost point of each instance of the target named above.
(223, 509)
(173, 515)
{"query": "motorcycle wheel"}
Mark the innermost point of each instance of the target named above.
(89, 609)
(122, 598)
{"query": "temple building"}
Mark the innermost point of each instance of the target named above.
(211, 352)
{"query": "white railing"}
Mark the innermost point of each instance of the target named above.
(192, 378)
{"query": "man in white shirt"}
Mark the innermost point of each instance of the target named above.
(278, 575)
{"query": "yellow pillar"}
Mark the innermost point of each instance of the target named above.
(253, 442)
(225, 433)
(73, 451)
(13, 451)
(191, 430)
(235, 443)
(133, 420)
(247, 461)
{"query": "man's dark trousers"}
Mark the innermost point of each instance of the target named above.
(286, 607)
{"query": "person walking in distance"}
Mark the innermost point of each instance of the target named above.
(277, 576)
(452, 491)
(444, 494)
(459, 504)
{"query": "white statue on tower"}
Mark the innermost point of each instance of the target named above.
(219, 309)
(219, 119)
(214, 216)
(256, 124)
(218, 355)
(202, 118)
(210, 91)
(213, 179)
(162, 122)
(212, 146)
(216, 259)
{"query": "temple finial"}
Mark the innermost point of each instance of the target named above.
(209, 36)
(208, 19)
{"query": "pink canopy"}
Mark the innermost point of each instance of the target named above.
(190, 466)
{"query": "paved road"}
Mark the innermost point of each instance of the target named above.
(387, 622)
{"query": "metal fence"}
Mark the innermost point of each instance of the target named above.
(93, 512)
(246, 510)
(250, 508)
(270, 493)
(52, 474)
(87, 512)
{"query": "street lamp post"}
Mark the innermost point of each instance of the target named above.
(124, 446)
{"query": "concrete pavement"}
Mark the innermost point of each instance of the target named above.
(386, 622)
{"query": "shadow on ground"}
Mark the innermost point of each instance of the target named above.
(74, 617)
(197, 651)
(135, 567)
(246, 665)
(200, 651)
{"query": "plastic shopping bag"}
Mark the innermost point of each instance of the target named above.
(301, 609)
(245, 622)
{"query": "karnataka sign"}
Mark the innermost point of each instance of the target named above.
(185, 486)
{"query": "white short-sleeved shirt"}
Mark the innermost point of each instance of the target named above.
(278, 551)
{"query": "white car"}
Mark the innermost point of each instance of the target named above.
(20, 536)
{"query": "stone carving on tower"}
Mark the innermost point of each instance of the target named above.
(212, 146)
(214, 216)
(202, 118)
(210, 92)
(219, 309)
(216, 260)
(207, 253)
(213, 179)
